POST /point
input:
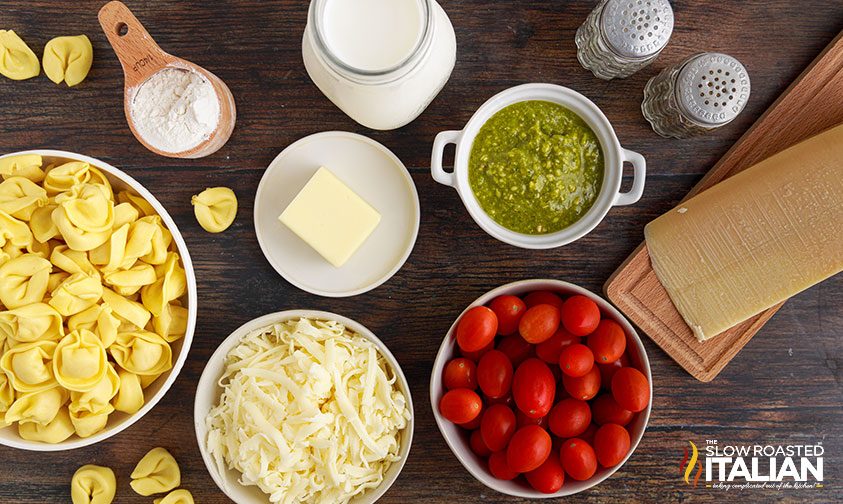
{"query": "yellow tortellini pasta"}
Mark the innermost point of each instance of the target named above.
(37, 321)
(17, 61)
(157, 472)
(92, 294)
(180, 496)
(215, 208)
(22, 165)
(92, 484)
(68, 59)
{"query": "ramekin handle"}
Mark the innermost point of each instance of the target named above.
(442, 139)
(639, 173)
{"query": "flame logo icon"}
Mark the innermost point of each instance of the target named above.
(687, 466)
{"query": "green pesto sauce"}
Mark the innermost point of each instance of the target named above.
(535, 167)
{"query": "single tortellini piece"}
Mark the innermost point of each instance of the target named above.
(23, 165)
(87, 423)
(170, 285)
(64, 177)
(14, 232)
(99, 398)
(180, 496)
(126, 309)
(142, 353)
(38, 407)
(54, 432)
(23, 280)
(172, 323)
(19, 197)
(29, 366)
(37, 321)
(80, 361)
(157, 472)
(17, 61)
(77, 293)
(161, 241)
(68, 59)
(100, 320)
(215, 208)
(129, 398)
(138, 202)
(93, 484)
(84, 216)
(41, 223)
(72, 261)
(129, 281)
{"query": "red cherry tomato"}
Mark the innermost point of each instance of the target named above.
(497, 426)
(460, 373)
(585, 387)
(550, 349)
(608, 342)
(533, 388)
(539, 323)
(543, 297)
(494, 374)
(630, 389)
(478, 446)
(576, 360)
(607, 371)
(547, 478)
(578, 459)
(611, 444)
(569, 418)
(528, 448)
(499, 468)
(509, 310)
(588, 435)
(521, 420)
(606, 410)
(460, 405)
(473, 424)
(475, 356)
(580, 315)
(516, 348)
(476, 329)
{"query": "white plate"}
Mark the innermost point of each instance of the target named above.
(369, 169)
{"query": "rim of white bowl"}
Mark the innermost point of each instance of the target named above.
(461, 450)
(75, 441)
(208, 391)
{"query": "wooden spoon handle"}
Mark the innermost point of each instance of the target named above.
(138, 53)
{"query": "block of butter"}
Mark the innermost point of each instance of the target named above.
(755, 239)
(330, 217)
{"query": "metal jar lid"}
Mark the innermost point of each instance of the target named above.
(712, 88)
(636, 28)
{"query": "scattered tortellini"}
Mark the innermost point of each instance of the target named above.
(68, 59)
(215, 208)
(157, 472)
(17, 61)
(92, 484)
(92, 293)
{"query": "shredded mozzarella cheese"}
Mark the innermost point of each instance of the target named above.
(310, 412)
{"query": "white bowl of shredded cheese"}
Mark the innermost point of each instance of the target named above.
(303, 406)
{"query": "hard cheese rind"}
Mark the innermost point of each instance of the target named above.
(755, 239)
(330, 217)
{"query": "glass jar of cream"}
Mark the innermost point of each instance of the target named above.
(380, 61)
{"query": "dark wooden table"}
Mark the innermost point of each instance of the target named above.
(785, 387)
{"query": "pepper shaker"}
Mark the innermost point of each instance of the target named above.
(620, 37)
(703, 93)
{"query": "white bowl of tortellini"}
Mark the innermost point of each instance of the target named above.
(97, 300)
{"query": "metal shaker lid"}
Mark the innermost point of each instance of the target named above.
(636, 28)
(712, 88)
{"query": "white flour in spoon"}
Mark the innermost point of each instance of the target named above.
(175, 110)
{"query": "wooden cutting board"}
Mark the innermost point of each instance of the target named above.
(812, 104)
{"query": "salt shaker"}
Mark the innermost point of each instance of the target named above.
(620, 37)
(703, 93)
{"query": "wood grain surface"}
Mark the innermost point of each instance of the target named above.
(786, 386)
(811, 105)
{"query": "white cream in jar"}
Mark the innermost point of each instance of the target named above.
(380, 61)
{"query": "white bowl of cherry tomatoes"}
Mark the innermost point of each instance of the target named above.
(541, 389)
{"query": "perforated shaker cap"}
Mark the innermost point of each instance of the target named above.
(636, 28)
(712, 88)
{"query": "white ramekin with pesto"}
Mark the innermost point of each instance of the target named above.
(538, 166)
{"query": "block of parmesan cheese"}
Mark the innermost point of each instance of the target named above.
(755, 239)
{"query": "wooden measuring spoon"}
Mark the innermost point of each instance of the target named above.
(141, 57)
